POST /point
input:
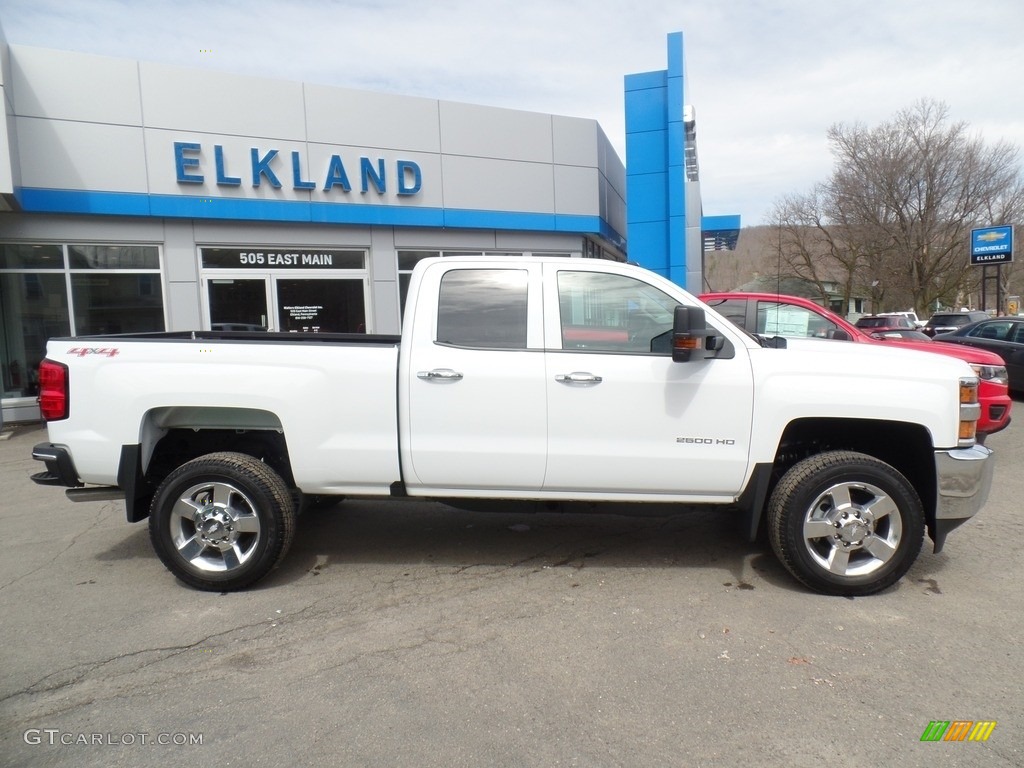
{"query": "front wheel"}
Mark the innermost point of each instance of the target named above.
(845, 523)
(222, 521)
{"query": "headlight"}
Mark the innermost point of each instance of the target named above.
(994, 373)
(970, 411)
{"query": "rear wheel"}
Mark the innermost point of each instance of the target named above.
(222, 521)
(845, 523)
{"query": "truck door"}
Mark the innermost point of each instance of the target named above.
(622, 417)
(472, 395)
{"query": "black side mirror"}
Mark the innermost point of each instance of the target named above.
(691, 338)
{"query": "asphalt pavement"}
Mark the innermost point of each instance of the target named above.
(414, 634)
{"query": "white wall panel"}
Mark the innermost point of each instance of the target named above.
(468, 129)
(537, 241)
(366, 119)
(212, 232)
(82, 229)
(497, 185)
(59, 154)
(7, 164)
(454, 239)
(182, 308)
(577, 190)
(180, 259)
(575, 141)
(75, 86)
(216, 102)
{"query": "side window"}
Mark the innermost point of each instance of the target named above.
(734, 310)
(613, 313)
(483, 308)
(998, 331)
(776, 319)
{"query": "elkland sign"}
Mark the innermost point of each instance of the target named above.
(992, 245)
(191, 167)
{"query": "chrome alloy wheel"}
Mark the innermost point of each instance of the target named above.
(852, 529)
(214, 526)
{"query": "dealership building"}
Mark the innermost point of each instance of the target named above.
(137, 196)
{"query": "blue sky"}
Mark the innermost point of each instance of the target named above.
(767, 78)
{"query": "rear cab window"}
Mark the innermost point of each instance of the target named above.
(483, 308)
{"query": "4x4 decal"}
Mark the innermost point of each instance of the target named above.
(86, 351)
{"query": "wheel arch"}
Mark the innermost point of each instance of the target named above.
(172, 435)
(906, 447)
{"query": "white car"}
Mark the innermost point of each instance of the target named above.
(911, 315)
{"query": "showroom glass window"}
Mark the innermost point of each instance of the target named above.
(116, 288)
(51, 289)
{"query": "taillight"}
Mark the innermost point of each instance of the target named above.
(53, 390)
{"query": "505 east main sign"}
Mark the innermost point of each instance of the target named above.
(372, 173)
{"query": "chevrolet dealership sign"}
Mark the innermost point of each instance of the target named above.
(992, 245)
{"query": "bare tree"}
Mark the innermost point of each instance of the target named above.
(893, 220)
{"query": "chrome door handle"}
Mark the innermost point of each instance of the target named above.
(578, 377)
(447, 374)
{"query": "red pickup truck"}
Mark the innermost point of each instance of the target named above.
(771, 314)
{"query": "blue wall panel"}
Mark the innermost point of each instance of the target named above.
(650, 238)
(647, 197)
(649, 152)
(655, 192)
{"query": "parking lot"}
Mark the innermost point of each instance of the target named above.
(420, 635)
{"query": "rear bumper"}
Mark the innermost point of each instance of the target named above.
(60, 469)
(963, 478)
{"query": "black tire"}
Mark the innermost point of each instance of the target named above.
(222, 521)
(845, 523)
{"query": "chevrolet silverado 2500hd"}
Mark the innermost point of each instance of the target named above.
(516, 380)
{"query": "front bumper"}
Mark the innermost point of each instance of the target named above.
(963, 479)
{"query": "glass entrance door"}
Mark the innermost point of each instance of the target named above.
(289, 304)
(238, 303)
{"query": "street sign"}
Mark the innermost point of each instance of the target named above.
(992, 245)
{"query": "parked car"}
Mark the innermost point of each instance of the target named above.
(1002, 335)
(772, 314)
(879, 322)
(911, 315)
(947, 322)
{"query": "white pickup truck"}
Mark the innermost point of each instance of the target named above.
(518, 380)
